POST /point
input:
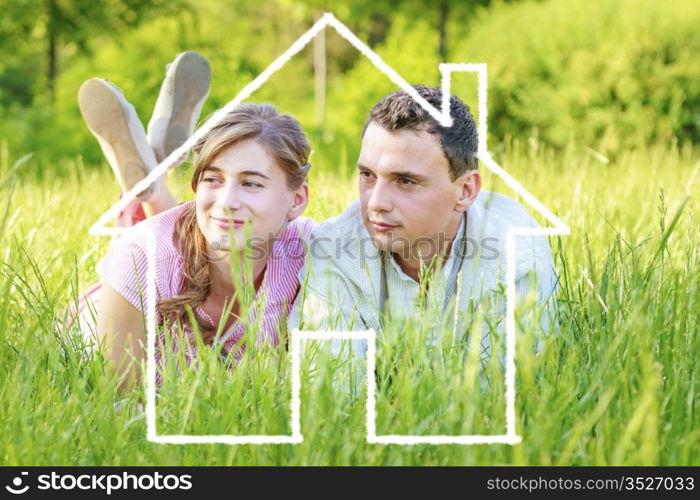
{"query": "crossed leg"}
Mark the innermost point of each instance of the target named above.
(133, 154)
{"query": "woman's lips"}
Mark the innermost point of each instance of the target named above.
(227, 223)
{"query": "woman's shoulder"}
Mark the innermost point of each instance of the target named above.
(160, 229)
(289, 246)
(126, 263)
(301, 227)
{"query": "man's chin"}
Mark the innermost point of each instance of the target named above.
(386, 242)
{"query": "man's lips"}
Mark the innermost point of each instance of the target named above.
(382, 227)
(225, 223)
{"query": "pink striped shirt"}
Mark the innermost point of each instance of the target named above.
(125, 267)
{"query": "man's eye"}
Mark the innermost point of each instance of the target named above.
(406, 181)
(364, 173)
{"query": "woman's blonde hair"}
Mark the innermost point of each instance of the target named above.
(282, 136)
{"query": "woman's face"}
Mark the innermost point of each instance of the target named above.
(244, 184)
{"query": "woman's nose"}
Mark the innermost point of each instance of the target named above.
(232, 197)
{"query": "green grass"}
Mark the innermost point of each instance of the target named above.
(618, 385)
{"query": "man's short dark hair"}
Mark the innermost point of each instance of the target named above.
(399, 111)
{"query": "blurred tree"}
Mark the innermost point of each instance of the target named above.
(453, 12)
(17, 66)
(373, 17)
(37, 30)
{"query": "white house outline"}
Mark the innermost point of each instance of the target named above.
(446, 70)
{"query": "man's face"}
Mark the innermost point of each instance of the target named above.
(408, 199)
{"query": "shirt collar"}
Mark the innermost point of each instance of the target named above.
(447, 266)
(450, 263)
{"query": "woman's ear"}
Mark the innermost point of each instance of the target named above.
(299, 202)
(469, 186)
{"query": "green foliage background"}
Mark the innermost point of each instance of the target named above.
(606, 75)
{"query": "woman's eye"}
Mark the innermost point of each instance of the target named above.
(364, 174)
(252, 184)
(210, 180)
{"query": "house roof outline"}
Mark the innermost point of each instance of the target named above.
(444, 118)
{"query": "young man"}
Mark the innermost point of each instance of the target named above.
(421, 208)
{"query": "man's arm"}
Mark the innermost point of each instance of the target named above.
(536, 301)
(536, 294)
(324, 302)
(536, 307)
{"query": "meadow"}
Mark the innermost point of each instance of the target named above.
(617, 386)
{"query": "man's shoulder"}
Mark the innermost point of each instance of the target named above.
(345, 225)
(503, 210)
(341, 271)
(490, 220)
(345, 235)
(342, 246)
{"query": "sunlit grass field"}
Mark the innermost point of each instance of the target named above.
(617, 386)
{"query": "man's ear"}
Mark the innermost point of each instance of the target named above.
(469, 186)
(299, 202)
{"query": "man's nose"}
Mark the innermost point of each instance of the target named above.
(380, 197)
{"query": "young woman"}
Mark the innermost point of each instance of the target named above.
(249, 174)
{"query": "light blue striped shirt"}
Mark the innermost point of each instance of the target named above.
(342, 278)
